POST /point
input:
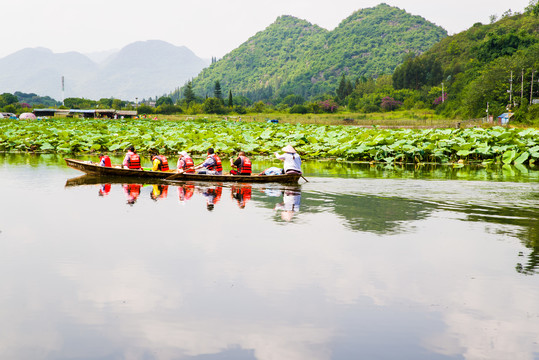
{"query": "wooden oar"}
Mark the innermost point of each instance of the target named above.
(304, 178)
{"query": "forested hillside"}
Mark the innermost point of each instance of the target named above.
(292, 56)
(476, 65)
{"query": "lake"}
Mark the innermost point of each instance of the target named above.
(361, 262)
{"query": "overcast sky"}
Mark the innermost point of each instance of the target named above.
(209, 28)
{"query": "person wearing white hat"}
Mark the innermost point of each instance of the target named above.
(185, 163)
(291, 159)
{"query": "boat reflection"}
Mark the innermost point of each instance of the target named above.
(212, 193)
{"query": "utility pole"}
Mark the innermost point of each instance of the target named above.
(63, 90)
(443, 96)
(510, 91)
(531, 88)
(522, 88)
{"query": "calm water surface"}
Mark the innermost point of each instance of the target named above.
(359, 263)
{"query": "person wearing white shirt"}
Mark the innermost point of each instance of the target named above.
(291, 159)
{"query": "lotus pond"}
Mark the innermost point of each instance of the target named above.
(382, 261)
(492, 145)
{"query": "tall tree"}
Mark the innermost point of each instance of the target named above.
(189, 93)
(230, 100)
(217, 93)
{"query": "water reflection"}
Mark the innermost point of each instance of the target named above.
(368, 268)
(241, 193)
(159, 191)
(212, 194)
(290, 204)
(104, 189)
(378, 213)
(133, 192)
(185, 192)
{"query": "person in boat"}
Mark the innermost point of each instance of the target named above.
(291, 159)
(104, 160)
(212, 165)
(241, 166)
(185, 163)
(159, 162)
(131, 159)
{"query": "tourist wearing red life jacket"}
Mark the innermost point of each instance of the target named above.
(241, 166)
(212, 165)
(185, 163)
(160, 162)
(132, 159)
(104, 160)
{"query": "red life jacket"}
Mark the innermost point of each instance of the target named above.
(247, 191)
(188, 165)
(134, 161)
(163, 163)
(218, 166)
(245, 167)
(133, 190)
(189, 191)
(107, 160)
(216, 193)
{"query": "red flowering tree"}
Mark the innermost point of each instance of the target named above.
(388, 103)
(328, 105)
(440, 99)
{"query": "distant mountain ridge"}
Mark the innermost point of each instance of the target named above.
(294, 56)
(142, 69)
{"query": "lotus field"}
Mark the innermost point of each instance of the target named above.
(496, 144)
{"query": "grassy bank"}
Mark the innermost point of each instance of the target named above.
(394, 119)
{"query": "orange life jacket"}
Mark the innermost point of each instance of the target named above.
(216, 193)
(218, 166)
(188, 165)
(245, 167)
(134, 161)
(107, 160)
(133, 190)
(163, 163)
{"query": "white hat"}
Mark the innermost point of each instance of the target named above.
(183, 153)
(289, 149)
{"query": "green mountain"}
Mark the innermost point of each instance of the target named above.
(295, 56)
(477, 66)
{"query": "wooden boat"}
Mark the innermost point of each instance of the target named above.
(170, 176)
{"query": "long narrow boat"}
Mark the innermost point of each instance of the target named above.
(117, 171)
